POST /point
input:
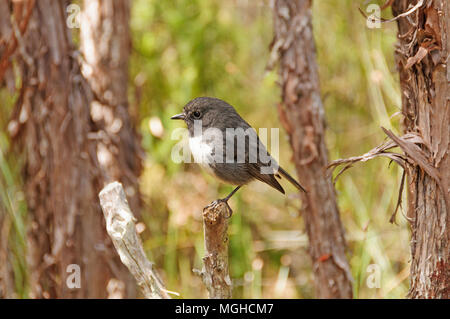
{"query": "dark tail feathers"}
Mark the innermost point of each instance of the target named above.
(291, 179)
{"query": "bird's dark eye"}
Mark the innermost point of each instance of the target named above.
(196, 114)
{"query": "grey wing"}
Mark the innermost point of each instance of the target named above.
(262, 165)
(246, 158)
(255, 171)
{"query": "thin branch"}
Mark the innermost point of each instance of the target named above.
(404, 14)
(380, 150)
(399, 200)
(122, 230)
(418, 157)
(215, 273)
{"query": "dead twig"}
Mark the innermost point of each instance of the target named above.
(122, 230)
(399, 200)
(387, 4)
(215, 273)
(418, 157)
(382, 150)
(413, 155)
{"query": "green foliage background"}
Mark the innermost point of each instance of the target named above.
(188, 48)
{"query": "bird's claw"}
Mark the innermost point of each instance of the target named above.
(227, 207)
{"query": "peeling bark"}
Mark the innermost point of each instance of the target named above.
(302, 115)
(106, 46)
(422, 60)
(53, 127)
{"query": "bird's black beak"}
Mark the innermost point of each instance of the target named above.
(180, 116)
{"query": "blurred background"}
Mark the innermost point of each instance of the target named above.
(188, 48)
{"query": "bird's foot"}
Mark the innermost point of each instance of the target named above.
(229, 211)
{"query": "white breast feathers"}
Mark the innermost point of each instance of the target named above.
(202, 151)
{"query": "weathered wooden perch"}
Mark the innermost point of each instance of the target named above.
(215, 273)
(122, 230)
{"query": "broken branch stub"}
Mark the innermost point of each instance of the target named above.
(215, 273)
(120, 225)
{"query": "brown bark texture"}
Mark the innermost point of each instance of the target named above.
(215, 274)
(422, 57)
(52, 125)
(106, 46)
(302, 115)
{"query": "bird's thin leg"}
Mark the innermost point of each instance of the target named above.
(225, 200)
(232, 193)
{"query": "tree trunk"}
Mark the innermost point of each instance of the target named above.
(302, 115)
(106, 45)
(53, 125)
(422, 60)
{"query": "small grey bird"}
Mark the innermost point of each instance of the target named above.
(227, 147)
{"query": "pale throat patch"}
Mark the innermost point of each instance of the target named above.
(202, 152)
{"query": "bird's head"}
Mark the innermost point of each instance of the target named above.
(210, 111)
